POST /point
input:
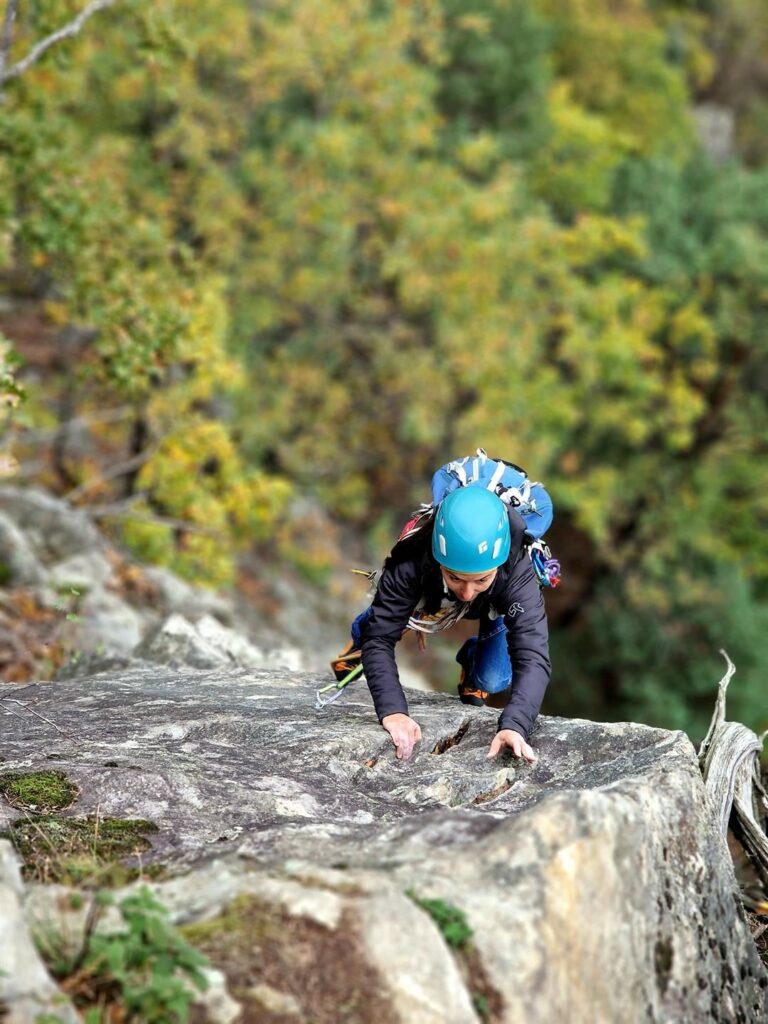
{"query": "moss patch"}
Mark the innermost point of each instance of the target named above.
(322, 970)
(38, 792)
(458, 935)
(81, 851)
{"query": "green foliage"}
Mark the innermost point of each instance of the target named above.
(11, 391)
(150, 963)
(126, 246)
(145, 970)
(666, 640)
(325, 246)
(451, 921)
(496, 73)
(737, 32)
(634, 83)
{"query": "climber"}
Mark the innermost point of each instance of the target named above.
(467, 559)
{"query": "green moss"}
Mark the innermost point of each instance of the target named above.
(244, 916)
(451, 921)
(82, 851)
(38, 792)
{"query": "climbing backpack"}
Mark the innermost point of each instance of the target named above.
(510, 483)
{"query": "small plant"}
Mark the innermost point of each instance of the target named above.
(451, 921)
(73, 601)
(145, 973)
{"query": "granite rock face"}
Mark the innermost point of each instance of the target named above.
(208, 644)
(57, 552)
(595, 883)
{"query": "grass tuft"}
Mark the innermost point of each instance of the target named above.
(83, 852)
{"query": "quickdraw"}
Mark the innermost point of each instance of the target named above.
(339, 686)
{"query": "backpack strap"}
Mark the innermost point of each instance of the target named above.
(495, 480)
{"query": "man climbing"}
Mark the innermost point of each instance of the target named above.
(468, 560)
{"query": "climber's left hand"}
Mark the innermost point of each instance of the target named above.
(508, 738)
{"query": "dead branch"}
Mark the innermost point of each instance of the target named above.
(729, 758)
(29, 437)
(37, 51)
(23, 704)
(119, 469)
(6, 35)
(719, 714)
(123, 510)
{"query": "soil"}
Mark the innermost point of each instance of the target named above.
(321, 970)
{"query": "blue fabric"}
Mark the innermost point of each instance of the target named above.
(537, 513)
(358, 626)
(485, 657)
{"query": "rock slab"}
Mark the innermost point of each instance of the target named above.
(595, 883)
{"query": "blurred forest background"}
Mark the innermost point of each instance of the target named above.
(265, 264)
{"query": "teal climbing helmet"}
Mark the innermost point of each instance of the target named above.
(471, 532)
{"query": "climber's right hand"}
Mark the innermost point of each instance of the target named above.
(405, 734)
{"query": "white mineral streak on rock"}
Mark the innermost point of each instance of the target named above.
(300, 806)
(167, 732)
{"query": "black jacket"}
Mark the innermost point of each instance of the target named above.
(410, 574)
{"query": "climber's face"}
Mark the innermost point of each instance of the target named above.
(467, 585)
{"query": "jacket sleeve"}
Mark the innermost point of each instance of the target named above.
(396, 597)
(528, 644)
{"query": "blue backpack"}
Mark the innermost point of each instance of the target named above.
(506, 480)
(512, 485)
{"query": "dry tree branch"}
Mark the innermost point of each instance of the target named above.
(6, 34)
(119, 469)
(68, 30)
(23, 704)
(123, 510)
(108, 416)
(729, 760)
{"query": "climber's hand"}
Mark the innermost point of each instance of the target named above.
(515, 742)
(405, 734)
